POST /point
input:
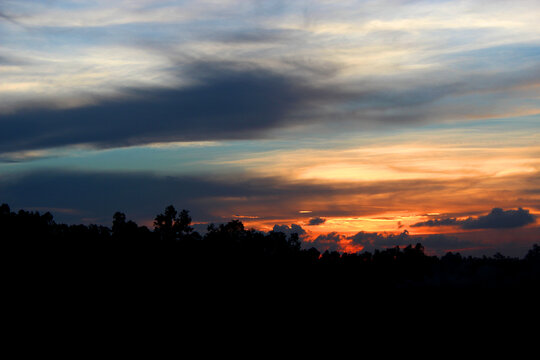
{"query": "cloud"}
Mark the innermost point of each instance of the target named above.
(211, 199)
(239, 100)
(370, 241)
(142, 195)
(434, 243)
(437, 222)
(24, 156)
(316, 221)
(442, 243)
(215, 197)
(499, 218)
(7, 17)
(390, 75)
(496, 219)
(331, 242)
(10, 60)
(258, 36)
(362, 241)
(373, 240)
(289, 230)
(224, 101)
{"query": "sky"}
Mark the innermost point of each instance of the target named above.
(357, 124)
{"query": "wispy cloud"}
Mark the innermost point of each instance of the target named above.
(422, 62)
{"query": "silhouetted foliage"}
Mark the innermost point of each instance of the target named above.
(176, 254)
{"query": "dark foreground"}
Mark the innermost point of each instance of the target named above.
(43, 254)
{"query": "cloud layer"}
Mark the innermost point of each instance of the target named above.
(371, 241)
(336, 116)
(496, 219)
(92, 197)
(106, 80)
(223, 102)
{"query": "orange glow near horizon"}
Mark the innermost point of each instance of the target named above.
(388, 224)
(403, 161)
(388, 186)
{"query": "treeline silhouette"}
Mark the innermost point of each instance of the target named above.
(173, 253)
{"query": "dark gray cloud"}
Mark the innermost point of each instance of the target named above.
(373, 240)
(437, 222)
(499, 218)
(97, 195)
(11, 18)
(443, 243)
(10, 60)
(316, 221)
(370, 241)
(289, 230)
(330, 242)
(259, 36)
(435, 243)
(211, 198)
(5, 16)
(496, 219)
(225, 101)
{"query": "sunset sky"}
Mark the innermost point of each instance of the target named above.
(358, 124)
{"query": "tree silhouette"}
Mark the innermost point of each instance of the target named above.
(533, 254)
(173, 226)
(128, 252)
(119, 222)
